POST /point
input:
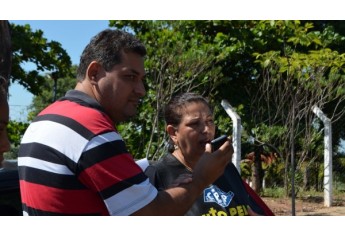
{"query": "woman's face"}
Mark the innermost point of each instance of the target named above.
(195, 130)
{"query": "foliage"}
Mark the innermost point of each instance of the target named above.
(15, 131)
(33, 49)
(339, 169)
(12, 154)
(302, 74)
(63, 84)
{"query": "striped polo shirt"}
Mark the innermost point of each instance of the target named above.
(72, 161)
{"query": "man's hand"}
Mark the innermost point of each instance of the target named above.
(211, 165)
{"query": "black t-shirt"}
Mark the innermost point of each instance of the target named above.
(227, 196)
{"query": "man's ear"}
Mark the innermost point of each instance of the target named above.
(171, 130)
(94, 72)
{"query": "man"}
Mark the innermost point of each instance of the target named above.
(72, 161)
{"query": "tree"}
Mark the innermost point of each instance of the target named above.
(292, 82)
(46, 56)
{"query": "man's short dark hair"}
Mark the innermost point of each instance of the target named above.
(106, 48)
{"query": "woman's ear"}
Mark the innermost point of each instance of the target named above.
(171, 130)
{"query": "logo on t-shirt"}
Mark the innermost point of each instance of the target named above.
(214, 194)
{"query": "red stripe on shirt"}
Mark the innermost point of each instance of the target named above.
(110, 171)
(61, 200)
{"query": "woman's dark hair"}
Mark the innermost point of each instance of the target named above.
(106, 48)
(174, 109)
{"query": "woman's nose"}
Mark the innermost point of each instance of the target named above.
(206, 128)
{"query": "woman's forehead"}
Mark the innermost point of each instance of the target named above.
(196, 109)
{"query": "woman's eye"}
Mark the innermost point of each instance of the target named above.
(132, 77)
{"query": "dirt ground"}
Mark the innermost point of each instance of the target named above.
(309, 206)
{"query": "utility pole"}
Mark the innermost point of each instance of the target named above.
(328, 157)
(236, 133)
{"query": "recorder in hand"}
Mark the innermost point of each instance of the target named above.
(218, 142)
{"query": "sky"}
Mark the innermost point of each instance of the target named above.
(73, 35)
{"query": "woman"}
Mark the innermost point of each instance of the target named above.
(4, 117)
(190, 125)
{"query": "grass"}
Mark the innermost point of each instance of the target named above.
(312, 195)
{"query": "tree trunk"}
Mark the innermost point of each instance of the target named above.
(257, 172)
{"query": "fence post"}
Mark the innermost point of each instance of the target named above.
(236, 133)
(327, 180)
